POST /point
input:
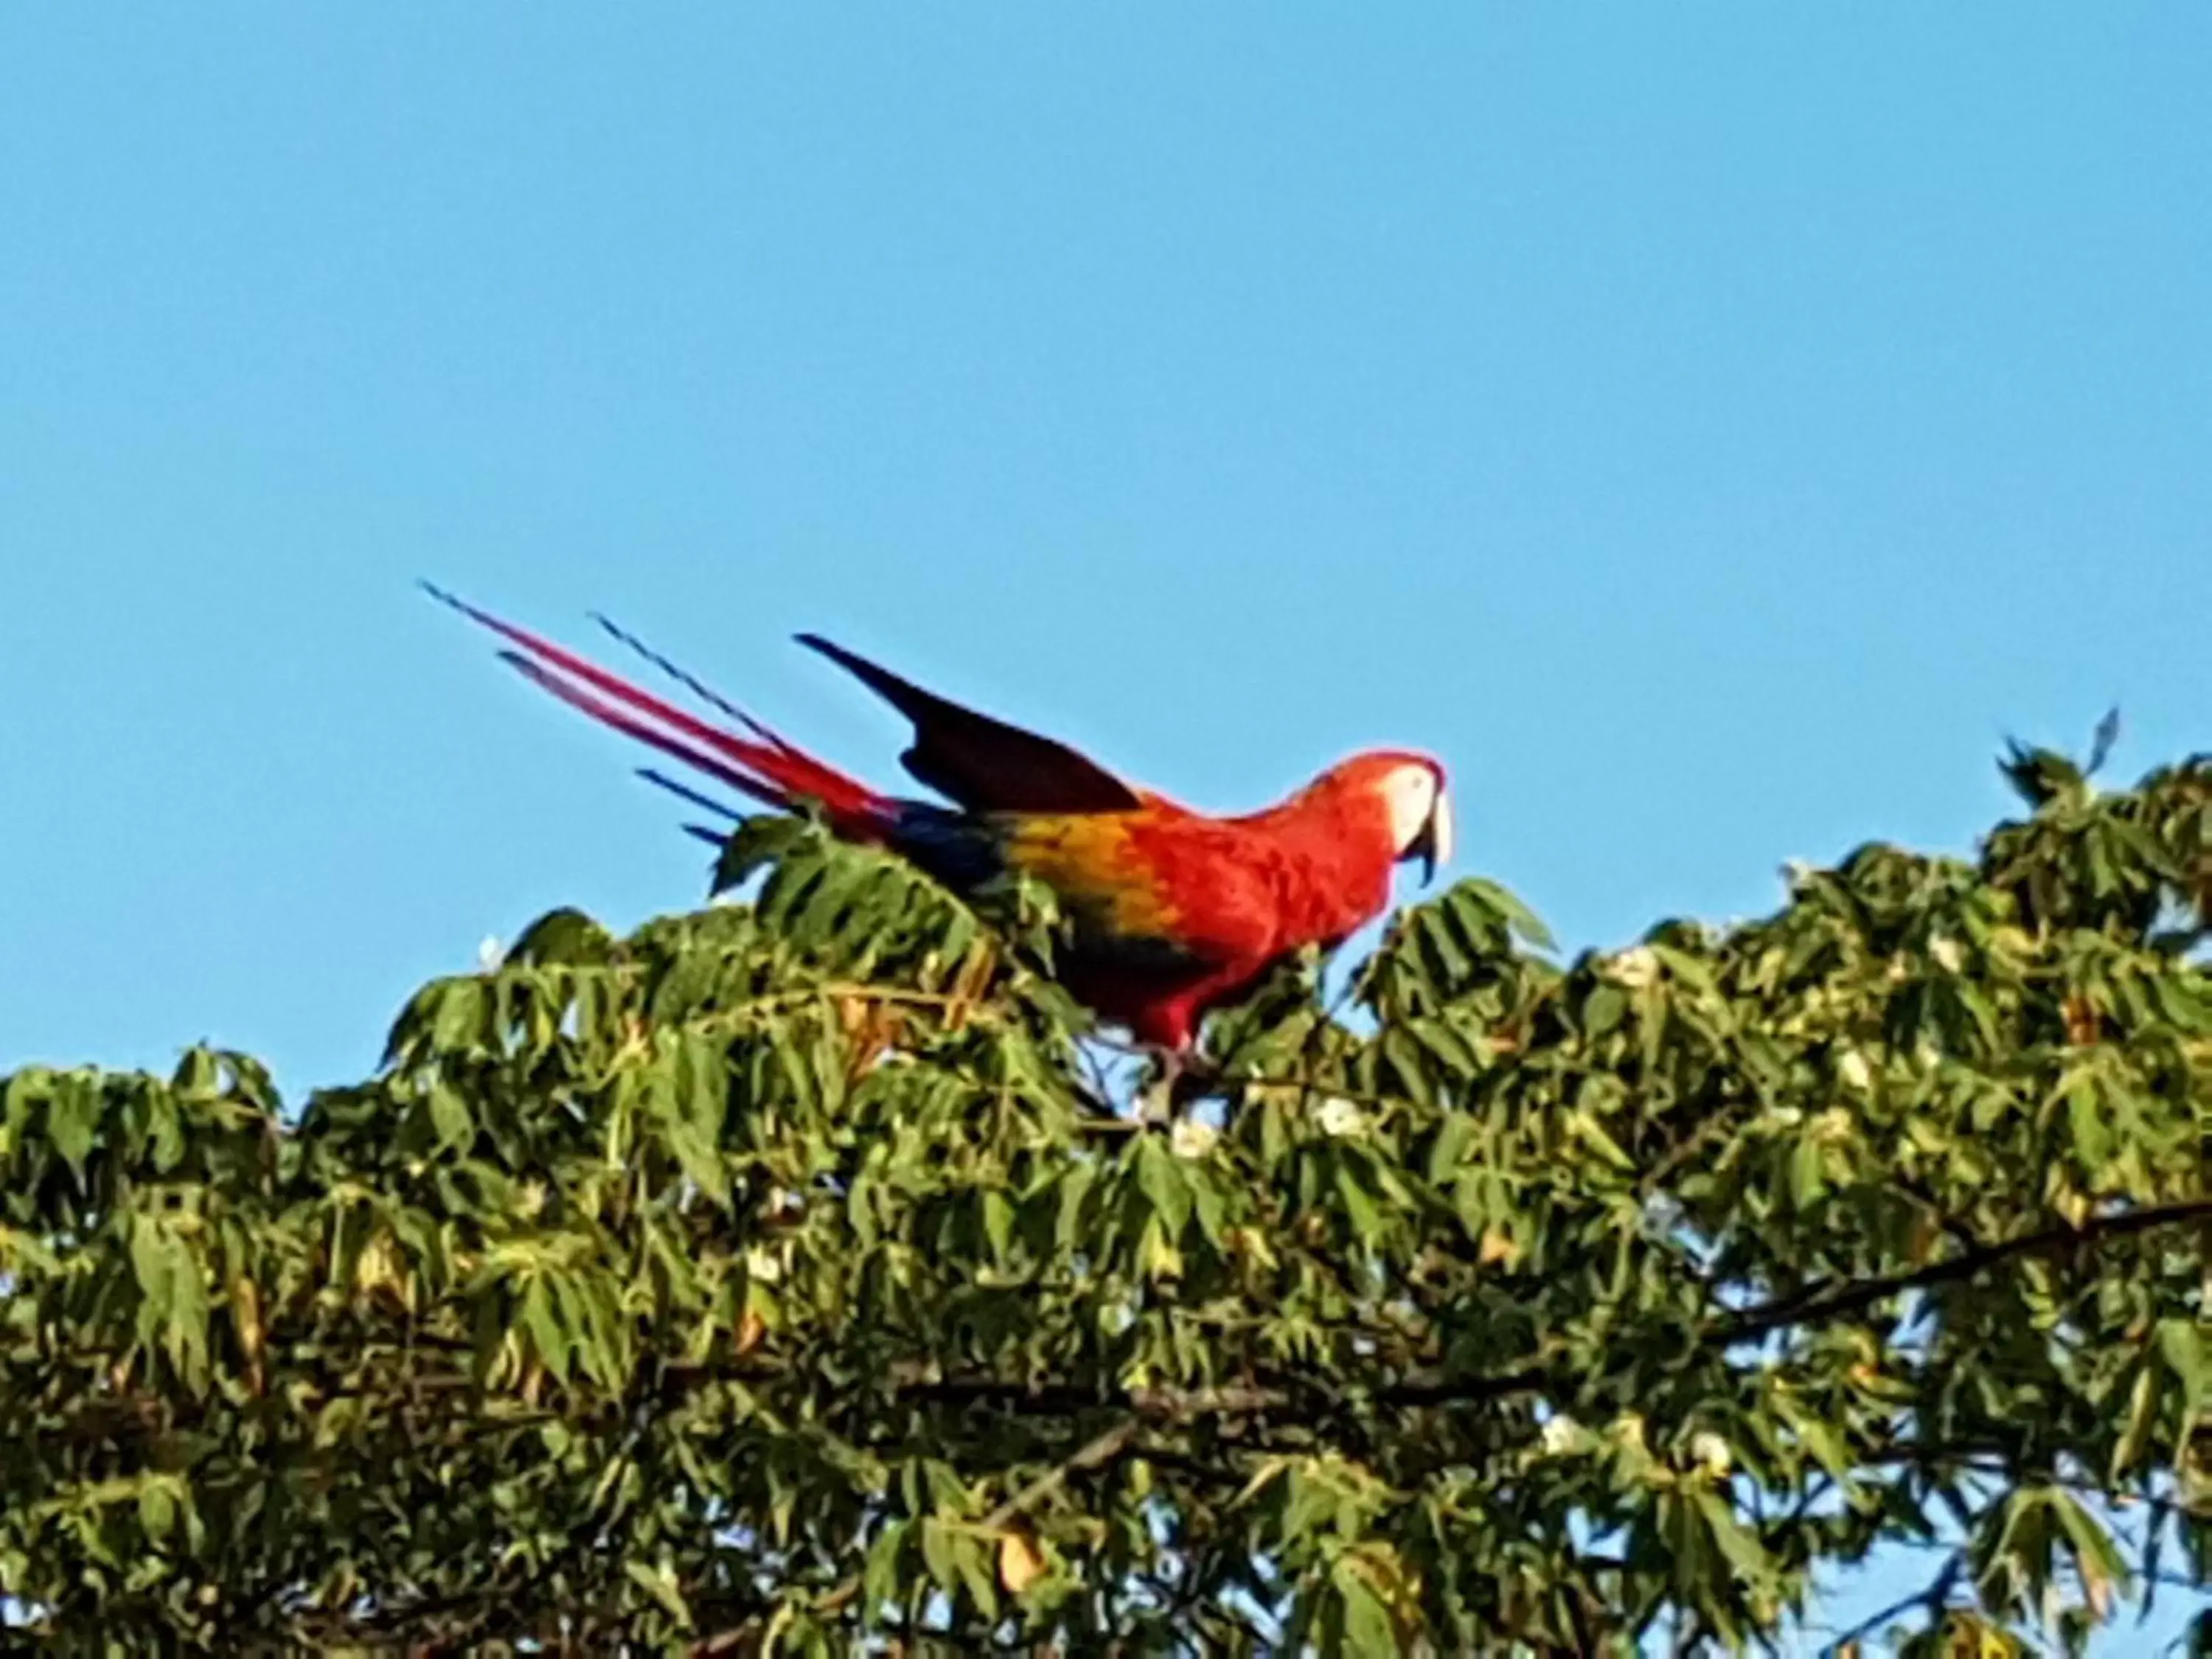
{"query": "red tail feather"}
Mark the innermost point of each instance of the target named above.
(765, 767)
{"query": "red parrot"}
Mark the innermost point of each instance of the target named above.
(1174, 911)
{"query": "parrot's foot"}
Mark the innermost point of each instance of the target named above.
(1155, 1101)
(1184, 1077)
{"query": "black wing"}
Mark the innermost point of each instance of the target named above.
(985, 764)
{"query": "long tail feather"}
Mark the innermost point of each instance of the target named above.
(683, 790)
(692, 683)
(550, 655)
(621, 720)
(763, 766)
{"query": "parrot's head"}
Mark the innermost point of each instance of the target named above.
(1405, 793)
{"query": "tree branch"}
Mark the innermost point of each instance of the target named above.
(1812, 1305)
(1831, 1300)
(1935, 1596)
(1103, 1450)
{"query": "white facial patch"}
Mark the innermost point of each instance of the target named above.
(1411, 792)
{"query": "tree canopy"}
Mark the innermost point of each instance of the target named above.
(804, 1276)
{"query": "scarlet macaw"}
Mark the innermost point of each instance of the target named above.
(1176, 912)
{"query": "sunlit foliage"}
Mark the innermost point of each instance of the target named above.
(800, 1276)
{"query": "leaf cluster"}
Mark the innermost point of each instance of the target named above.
(791, 1277)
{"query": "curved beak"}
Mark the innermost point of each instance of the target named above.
(1433, 846)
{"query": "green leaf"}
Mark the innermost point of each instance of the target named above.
(157, 1508)
(1604, 1008)
(1808, 1172)
(1450, 1149)
(72, 1117)
(1160, 1176)
(658, 1579)
(458, 1016)
(694, 1091)
(939, 1554)
(566, 936)
(2181, 1344)
(1359, 1204)
(880, 1577)
(1368, 1627)
(999, 1223)
(449, 1115)
(547, 1340)
(1737, 1546)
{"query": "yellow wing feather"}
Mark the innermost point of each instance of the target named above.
(1091, 859)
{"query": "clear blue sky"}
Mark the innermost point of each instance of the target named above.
(1713, 429)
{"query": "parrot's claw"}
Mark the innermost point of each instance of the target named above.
(1183, 1077)
(1156, 1101)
